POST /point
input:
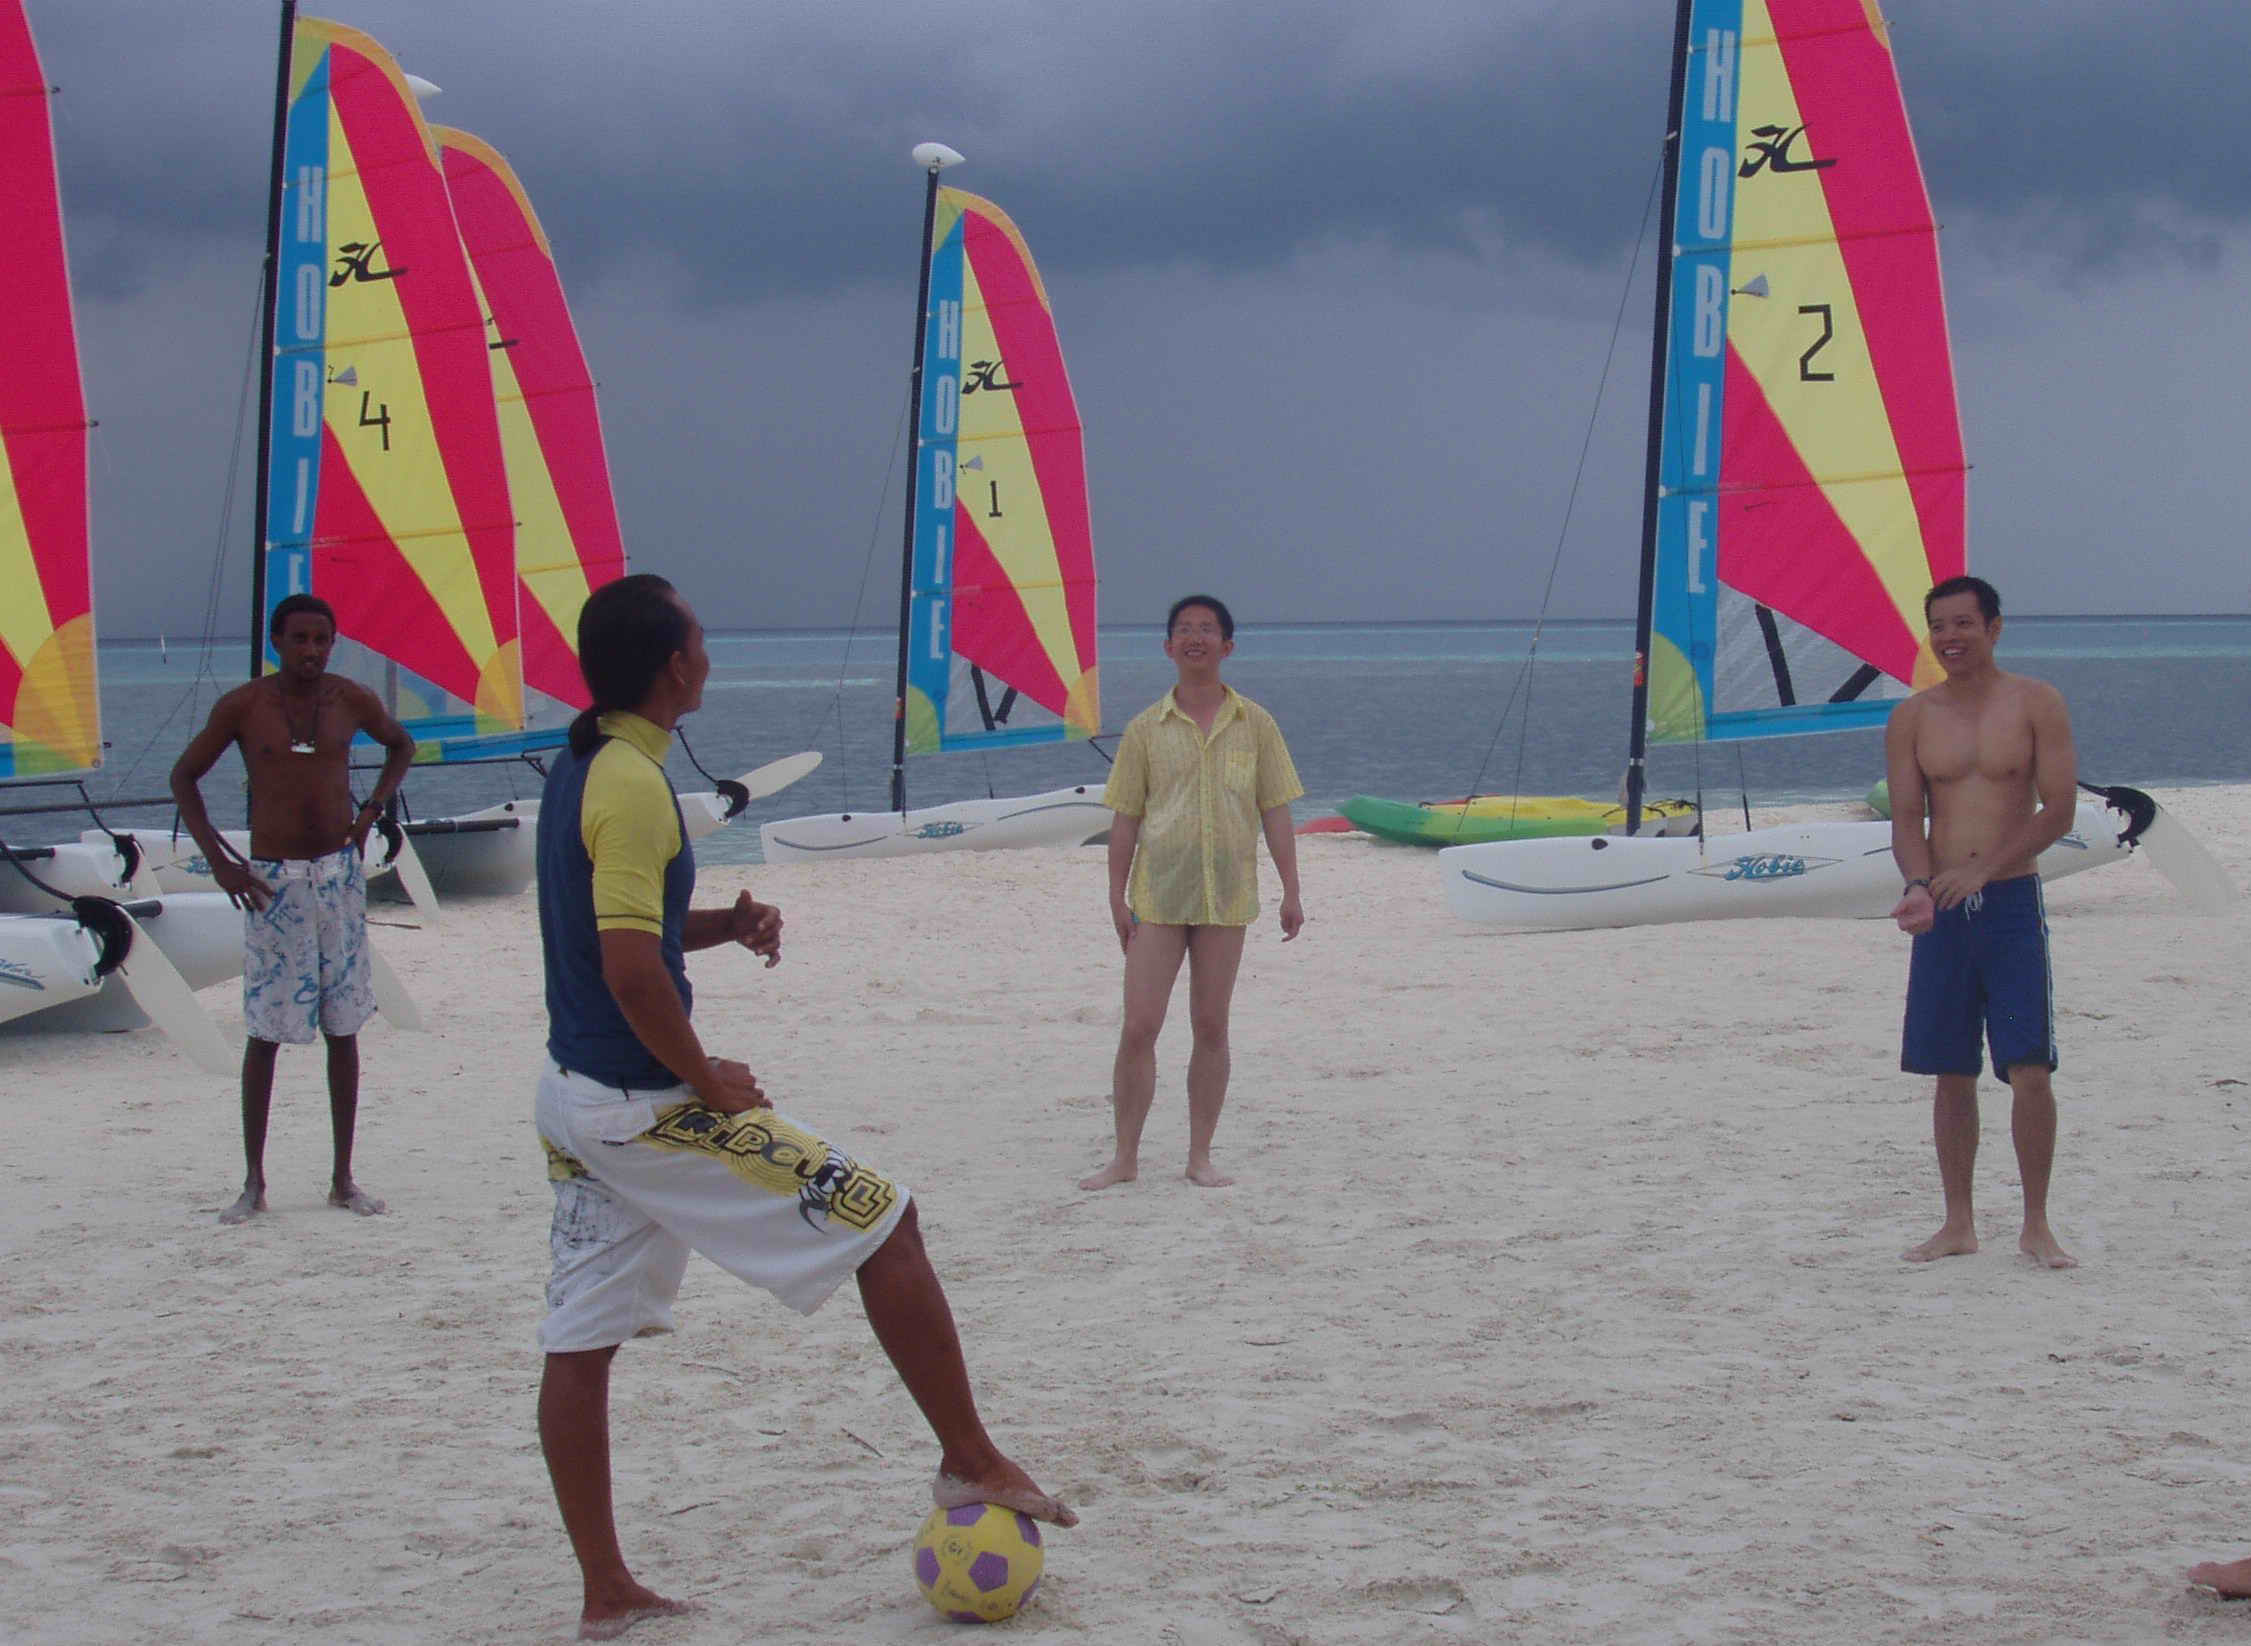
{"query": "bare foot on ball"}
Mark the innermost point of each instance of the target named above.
(1001, 1482)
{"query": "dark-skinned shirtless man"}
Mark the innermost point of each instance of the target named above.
(304, 900)
(1989, 756)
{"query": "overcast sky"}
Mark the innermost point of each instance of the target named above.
(1336, 282)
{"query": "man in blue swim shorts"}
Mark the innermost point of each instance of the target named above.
(1988, 756)
(305, 970)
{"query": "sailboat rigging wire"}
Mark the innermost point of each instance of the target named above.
(867, 568)
(8, 856)
(1563, 532)
(190, 700)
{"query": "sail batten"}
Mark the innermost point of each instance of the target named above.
(50, 716)
(1811, 483)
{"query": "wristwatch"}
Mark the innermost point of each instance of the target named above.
(1920, 880)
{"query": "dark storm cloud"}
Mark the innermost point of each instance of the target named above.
(763, 147)
(1337, 281)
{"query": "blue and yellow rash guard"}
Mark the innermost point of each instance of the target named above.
(612, 855)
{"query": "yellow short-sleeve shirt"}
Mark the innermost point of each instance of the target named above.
(1199, 800)
(629, 825)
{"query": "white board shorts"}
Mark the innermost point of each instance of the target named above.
(305, 970)
(643, 1178)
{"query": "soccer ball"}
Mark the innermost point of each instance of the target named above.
(978, 1563)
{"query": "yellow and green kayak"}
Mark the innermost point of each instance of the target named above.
(1495, 817)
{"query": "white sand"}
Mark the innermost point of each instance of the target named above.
(1560, 1300)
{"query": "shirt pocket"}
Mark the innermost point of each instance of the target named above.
(1240, 772)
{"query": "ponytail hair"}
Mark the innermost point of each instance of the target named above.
(628, 631)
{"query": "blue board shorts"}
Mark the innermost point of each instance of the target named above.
(1983, 964)
(305, 969)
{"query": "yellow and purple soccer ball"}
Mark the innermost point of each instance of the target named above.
(978, 1563)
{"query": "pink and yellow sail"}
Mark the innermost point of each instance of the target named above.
(387, 486)
(1811, 476)
(50, 719)
(1000, 641)
(567, 538)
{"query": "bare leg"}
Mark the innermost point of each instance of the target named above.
(908, 1310)
(1954, 1127)
(1152, 966)
(2032, 1121)
(343, 1117)
(574, 1434)
(1215, 955)
(257, 1106)
(2232, 1578)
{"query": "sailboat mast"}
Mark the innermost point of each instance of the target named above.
(272, 282)
(914, 474)
(1660, 351)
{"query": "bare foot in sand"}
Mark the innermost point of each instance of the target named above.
(611, 1616)
(1948, 1242)
(352, 1198)
(252, 1202)
(1112, 1173)
(1000, 1482)
(2230, 1578)
(1208, 1176)
(2043, 1248)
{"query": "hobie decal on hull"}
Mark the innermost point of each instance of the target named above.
(1767, 866)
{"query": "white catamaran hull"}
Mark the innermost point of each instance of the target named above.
(88, 867)
(1060, 817)
(45, 961)
(492, 853)
(200, 933)
(1807, 869)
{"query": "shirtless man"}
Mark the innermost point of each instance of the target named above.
(301, 890)
(1989, 754)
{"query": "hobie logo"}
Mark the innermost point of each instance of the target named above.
(20, 976)
(1772, 150)
(940, 831)
(1765, 866)
(987, 375)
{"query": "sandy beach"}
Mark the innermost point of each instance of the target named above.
(1560, 1299)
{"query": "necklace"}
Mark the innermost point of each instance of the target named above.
(302, 742)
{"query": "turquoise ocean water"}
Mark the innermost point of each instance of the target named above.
(1414, 711)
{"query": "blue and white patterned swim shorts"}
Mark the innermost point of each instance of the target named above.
(305, 970)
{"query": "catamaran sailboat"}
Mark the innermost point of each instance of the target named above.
(1805, 476)
(997, 644)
